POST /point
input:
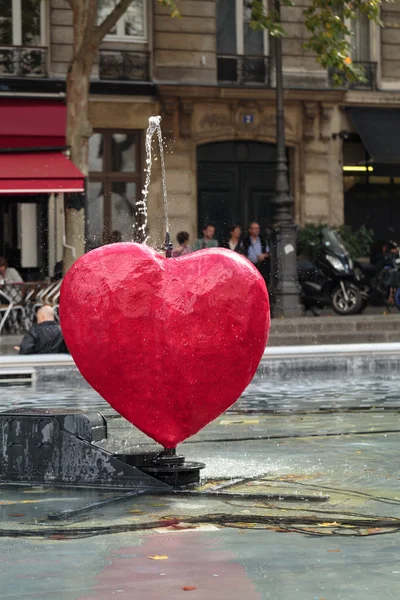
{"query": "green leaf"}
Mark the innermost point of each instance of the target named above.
(172, 6)
(330, 37)
(357, 242)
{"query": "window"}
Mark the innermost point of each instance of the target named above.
(226, 27)
(363, 49)
(114, 185)
(234, 34)
(361, 38)
(22, 41)
(21, 22)
(131, 26)
(241, 50)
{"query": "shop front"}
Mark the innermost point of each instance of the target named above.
(371, 169)
(35, 175)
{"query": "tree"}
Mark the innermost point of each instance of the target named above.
(87, 37)
(327, 22)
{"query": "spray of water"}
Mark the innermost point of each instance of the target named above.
(154, 126)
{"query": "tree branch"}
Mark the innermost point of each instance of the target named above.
(105, 27)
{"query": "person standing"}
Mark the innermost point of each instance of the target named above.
(257, 250)
(207, 241)
(183, 245)
(235, 242)
(45, 337)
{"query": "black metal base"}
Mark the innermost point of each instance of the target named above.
(64, 447)
(166, 466)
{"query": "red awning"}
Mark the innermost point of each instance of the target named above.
(39, 172)
(32, 123)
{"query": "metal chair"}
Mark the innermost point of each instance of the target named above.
(5, 308)
(31, 297)
(42, 294)
(56, 305)
(10, 309)
(51, 297)
(56, 309)
(48, 296)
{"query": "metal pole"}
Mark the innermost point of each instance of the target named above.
(86, 215)
(168, 246)
(285, 291)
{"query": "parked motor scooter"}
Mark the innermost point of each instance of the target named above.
(329, 279)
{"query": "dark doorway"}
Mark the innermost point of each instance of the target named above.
(236, 182)
(12, 230)
(374, 201)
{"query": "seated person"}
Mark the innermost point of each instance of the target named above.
(8, 274)
(45, 337)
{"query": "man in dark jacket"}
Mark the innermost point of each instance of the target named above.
(257, 250)
(45, 337)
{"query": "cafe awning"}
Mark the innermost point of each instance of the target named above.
(32, 123)
(379, 130)
(39, 172)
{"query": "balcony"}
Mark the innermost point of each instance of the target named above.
(23, 61)
(123, 65)
(243, 70)
(370, 69)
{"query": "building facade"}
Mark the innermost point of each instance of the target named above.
(211, 78)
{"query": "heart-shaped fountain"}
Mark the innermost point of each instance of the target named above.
(169, 343)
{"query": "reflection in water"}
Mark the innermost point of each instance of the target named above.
(263, 394)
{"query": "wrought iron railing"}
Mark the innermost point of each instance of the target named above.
(123, 65)
(243, 70)
(336, 79)
(23, 61)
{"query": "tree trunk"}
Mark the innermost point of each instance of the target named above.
(78, 132)
(87, 38)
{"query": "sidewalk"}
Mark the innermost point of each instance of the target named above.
(370, 327)
(7, 343)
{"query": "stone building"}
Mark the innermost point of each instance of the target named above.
(211, 78)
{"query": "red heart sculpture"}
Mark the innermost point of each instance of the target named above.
(169, 343)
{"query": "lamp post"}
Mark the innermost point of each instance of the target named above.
(285, 291)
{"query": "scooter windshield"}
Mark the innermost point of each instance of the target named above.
(333, 242)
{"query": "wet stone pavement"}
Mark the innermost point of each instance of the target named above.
(300, 499)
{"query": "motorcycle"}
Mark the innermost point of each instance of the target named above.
(329, 280)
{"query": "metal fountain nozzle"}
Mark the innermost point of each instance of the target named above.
(168, 246)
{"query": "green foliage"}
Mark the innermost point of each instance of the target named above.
(172, 7)
(358, 243)
(308, 239)
(330, 37)
(327, 23)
